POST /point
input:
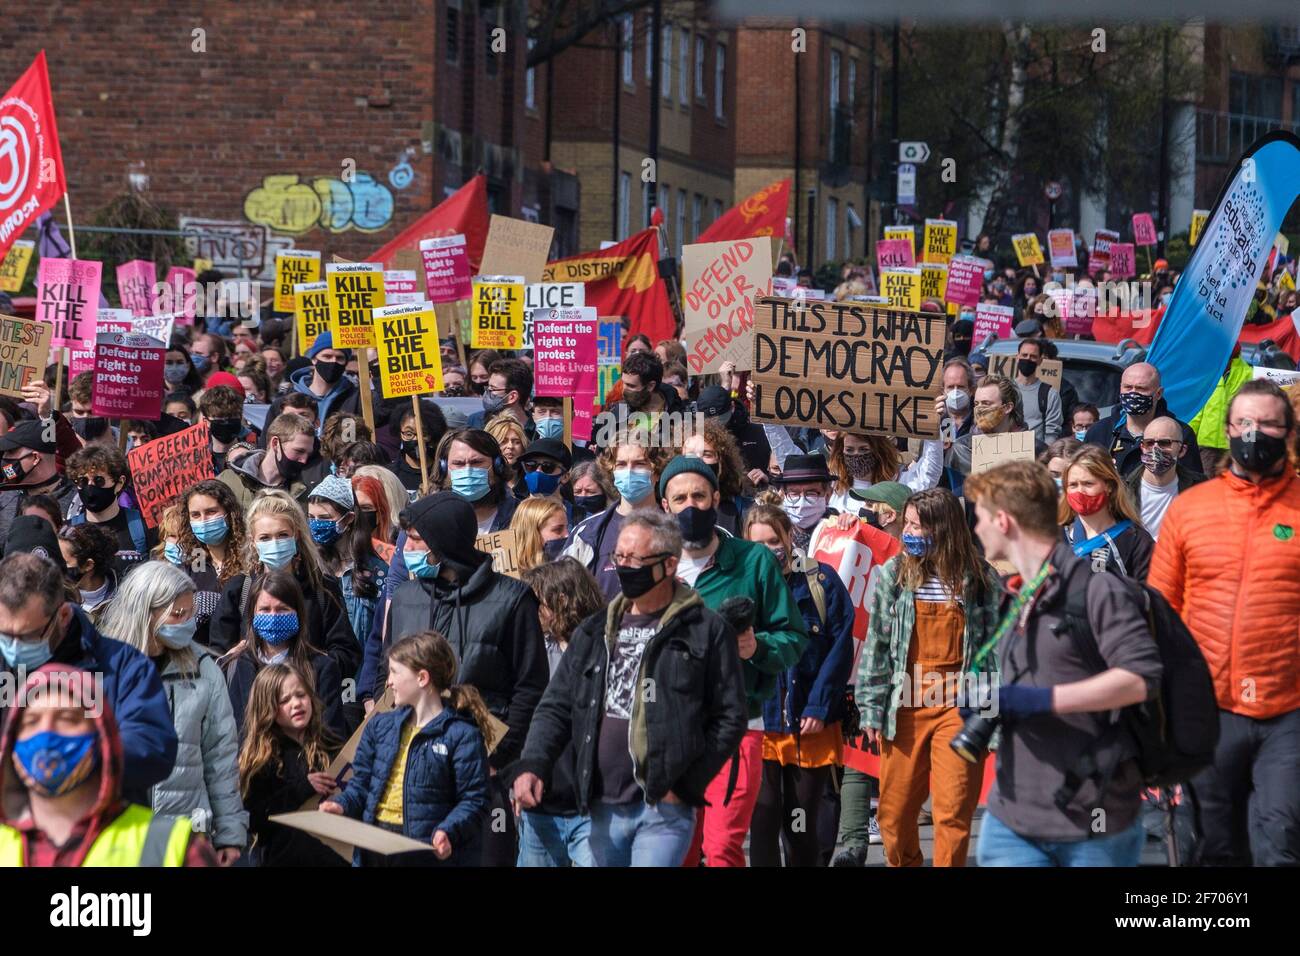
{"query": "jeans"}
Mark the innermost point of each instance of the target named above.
(638, 834)
(1001, 846)
(547, 840)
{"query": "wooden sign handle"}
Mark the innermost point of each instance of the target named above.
(419, 438)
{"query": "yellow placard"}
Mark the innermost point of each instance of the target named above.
(498, 318)
(356, 289)
(13, 270)
(902, 287)
(1028, 251)
(903, 232)
(940, 240)
(406, 337)
(1199, 218)
(1282, 243)
(934, 280)
(202, 265)
(1285, 281)
(294, 267)
(311, 310)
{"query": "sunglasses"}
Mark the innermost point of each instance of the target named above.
(1165, 444)
(545, 467)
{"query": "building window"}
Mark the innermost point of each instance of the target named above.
(649, 46)
(697, 217)
(832, 215)
(1253, 95)
(646, 195)
(717, 210)
(835, 79)
(699, 67)
(681, 219)
(490, 20)
(719, 78)
(530, 81)
(453, 31)
(624, 202)
(852, 223)
(665, 196)
(627, 26)
(683, 69)
(666, 62)
(853, 82)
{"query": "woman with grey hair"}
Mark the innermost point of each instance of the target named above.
(153, 611)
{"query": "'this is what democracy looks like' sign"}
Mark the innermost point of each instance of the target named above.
(847, 366)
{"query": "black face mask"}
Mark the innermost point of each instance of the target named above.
(454, 391)
(1259, 455)
(411, 449)
(634, 582)
(13, 471)
(590, 504)
(97, 499)
(366, 522)
(697, 524)
(1026, 367)
(225, 430)
(91, 427)
(476, 387)
(553, 548)
(289, 469)
(330, 372)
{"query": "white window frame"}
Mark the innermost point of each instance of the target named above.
(835, 79)
(666, 61)
(627, 27)
(699, 66)
(683, 68)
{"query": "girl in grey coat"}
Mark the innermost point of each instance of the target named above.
(153, 611)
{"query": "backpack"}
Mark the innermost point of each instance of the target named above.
(1175, 733)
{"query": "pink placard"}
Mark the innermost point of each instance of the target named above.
(1060, 248)
(1082, 311)
(1123, 260)
(67, 297)
(965, 279)
(183, 288)
(1144, 229)
(992, 318)
(128, 377)
(894, 254)
(106, 320)
(564, 352)
(135, 282)
(583, 411)
(1099, 255)
(446, 269)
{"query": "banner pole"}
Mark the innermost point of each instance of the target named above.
(419, 438)
(568, 422)
(63, 352)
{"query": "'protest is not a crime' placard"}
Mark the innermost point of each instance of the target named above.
(163, 468)
(848, 366)
(406, 337)
(24, 350)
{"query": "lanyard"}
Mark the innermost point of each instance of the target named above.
(1082, 548)
(1008, 622)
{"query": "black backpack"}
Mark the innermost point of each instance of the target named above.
(1174, 734)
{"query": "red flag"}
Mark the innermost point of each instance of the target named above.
(622, 280)
(31, 166)
(762, 214)
(464, 212)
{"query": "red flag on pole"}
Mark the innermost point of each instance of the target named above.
(31, 166)
(762, 214)
(464, 212)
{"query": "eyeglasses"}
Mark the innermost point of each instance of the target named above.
(30, 638)
(545, 467)
(497, 391)
(805, 496)
(1165, 444)
(637, 561)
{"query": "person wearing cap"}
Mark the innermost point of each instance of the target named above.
(332, 517)
(28, 466)
(885, 500)
(39, 624)
(324, 380)
(716, 402)
(805, 487)
(545, 464)
(491, 621)
(718, 567)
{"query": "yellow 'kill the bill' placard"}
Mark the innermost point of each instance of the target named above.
(311, 310)
(356, 290)
(497, 321)
(406, 337)
(293, 267)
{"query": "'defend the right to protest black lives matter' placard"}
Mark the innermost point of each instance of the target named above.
(848, 366)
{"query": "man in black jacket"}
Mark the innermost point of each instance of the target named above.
(491, 622)
(1141, 401)
(651, 694)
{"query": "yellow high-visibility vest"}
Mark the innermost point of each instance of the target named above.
(138, 837)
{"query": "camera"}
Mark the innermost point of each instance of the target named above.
(972, 741)
(738, 611)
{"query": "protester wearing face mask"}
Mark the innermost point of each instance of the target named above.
(274, 632)
(181, 407)
(719, 567)
(210, 546)
(38, 625)
(324, 381)
(290, 442)
(471, 465)
(996, 411)
(279, 539)
(154, 613)
(541, 528)
(805, 487)
(1162, 476)
(802, 742)
(955, 407)
(643, 388)
(87, 425)
(407, 465)
(592, 490)
(1041, 404)
(885, 501)
(1099, 517)
(509, 387)
(548, 418)
(634, 466)
(345, 553)
(28, 467)
(715, 446)
(222, 408)
(545, 466)
(1227, 563)
(1141, 399)
(478, 370)
(859, 461)
(179, 371)
(88, 552)
(1082, 418)
(933, 607)
(100, 474)
(717, 405)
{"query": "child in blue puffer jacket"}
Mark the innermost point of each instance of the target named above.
(422, 769)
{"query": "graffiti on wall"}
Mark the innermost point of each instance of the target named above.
(287, 204)
(234, 247)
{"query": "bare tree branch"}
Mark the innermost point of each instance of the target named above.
(553, 36)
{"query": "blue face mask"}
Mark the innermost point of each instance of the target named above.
(324, 531)
(1081, 434)
(212, 531)
(988, 275)
(552, 428)
(276, 629)
(633, 485)
(417, 562)
(178, 636)
(58, 763)
(173, 553)
(539, 484)
(25, 654)
(278, 553)
(917, 545)
(470, 483)
(200, 362)
(1165, 297)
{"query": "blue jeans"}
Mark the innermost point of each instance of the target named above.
(546, 840)
(639, 834)
(1001, 846)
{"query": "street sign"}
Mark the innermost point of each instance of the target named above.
(1053, 190)
(913, 152)
(906, 184)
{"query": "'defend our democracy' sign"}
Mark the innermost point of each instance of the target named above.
(847, 366)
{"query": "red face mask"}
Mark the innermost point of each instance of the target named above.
(1086, 504)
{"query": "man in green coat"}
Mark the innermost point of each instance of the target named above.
(1210, 423)
(720, 566)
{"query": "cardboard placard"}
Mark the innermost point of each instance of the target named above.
(1144, 229)
(992, 318)
(1199, 218)
(1005, 365)
(356, 289)
(128, 376)
(1123, 260)
(1028, 251)
(1283, 378)
(965, 280)
(24, 353)
(565, 352)
(311, 312)
(294, 267)
(940, 240)
(1060, 248)
(721, 280)
(501, 545)
(934, 279)
(902, 287)
(336, 828)
(497, 321)
(14, 266)
(847, 366)
(903, 232)
(516, 247)
(989, 451)
(183, 294)
(406, 338)
(135, 282)
(894, 254)
(163, 468)
(446, 268)
(67, 297)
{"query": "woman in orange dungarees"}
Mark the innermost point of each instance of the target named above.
(934, 606)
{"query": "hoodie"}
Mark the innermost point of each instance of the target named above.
(39, 850)
(343, 397)
(244, 478)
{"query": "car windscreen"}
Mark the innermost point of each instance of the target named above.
(1096, 382)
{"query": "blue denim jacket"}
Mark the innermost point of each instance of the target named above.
(361, 611)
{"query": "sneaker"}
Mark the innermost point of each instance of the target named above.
(873, 831)
(851, 856)
(924, 818)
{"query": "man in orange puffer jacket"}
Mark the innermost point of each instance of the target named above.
(1228, 560)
